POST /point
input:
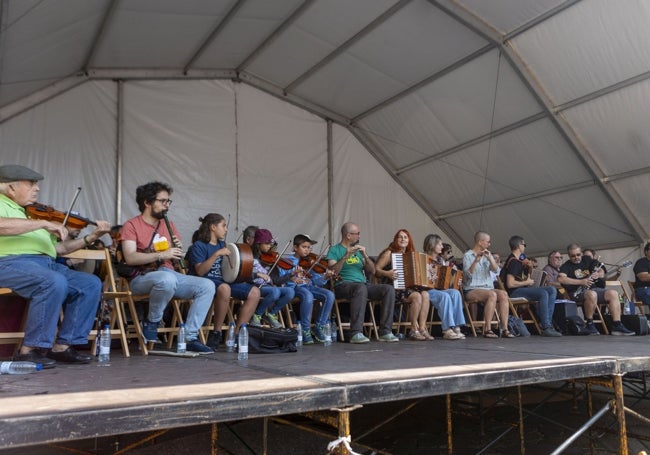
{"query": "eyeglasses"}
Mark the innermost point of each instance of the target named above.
(576, 255)
(164, 201)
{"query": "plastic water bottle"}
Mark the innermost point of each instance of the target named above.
(230, 339)
(328, 334)
(181, 346)
(299, 330)
(243, 343)
(104, 345)
(19, 367)
(334, 330)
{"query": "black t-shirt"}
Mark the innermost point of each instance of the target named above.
(642, 265)
(581, 271)
(514, 267)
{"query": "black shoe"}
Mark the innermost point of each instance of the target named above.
(36, 356)
(214, 339)
(69, 356)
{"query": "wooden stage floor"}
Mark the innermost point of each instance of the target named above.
(158, 392)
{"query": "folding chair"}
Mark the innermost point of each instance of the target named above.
(473, 323)
(638, 303)
(600, 320)
(14, 337)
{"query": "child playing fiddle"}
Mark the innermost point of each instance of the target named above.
(307, 285)
(205, 258)
(273, 298)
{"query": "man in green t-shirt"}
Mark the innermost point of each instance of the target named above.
(350, 262)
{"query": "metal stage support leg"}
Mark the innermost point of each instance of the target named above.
(214, 439)
(265, 435)
(522, 443)
(619, 399)
(450, 441)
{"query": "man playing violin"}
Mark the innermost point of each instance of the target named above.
(145, 244)
(349, 260)
(519, 283)
(308, 286)
(28, 250)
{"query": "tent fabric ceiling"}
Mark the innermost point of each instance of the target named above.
(525, 116)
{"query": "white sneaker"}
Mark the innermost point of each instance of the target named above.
(458, 332)
(451, 335)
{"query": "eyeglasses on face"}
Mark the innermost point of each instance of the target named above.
(164, 201)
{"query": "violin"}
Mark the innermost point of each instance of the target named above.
(38, 211)
(268, 259)
(312, 262)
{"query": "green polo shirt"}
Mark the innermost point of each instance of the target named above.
(35, 242)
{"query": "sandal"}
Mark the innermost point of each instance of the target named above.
(490, 334)
(415, 335)
(426, 335)
(506, 334)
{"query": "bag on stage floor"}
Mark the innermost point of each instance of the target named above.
(576, 326)
(517, 327)
(638, 323)
(262, 340)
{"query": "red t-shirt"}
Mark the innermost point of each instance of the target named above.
(141, 232)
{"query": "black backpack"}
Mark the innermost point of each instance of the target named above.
(576, 326)
(262, 340)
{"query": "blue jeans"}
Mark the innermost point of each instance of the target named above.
(164, 284)
(50, 286)
(273, 299)
(545, 296)
(449, 304)
(307, 294)
(642, 294)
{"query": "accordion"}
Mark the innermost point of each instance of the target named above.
(419, 270)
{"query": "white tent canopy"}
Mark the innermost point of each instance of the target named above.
(520, 117)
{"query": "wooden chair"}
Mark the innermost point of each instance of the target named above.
(620, 287)
(522, 307)
(114, 297)
(13, 337)
(600, 320)
(638, 303)
(473, 323)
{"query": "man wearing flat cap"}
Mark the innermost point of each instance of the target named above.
(28, 249)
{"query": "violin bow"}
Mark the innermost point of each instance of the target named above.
(320, 256)
(74, 200)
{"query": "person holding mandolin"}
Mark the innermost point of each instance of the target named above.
(146, 246)
(28, 250)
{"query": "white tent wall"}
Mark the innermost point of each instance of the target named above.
(70, 140)
(224, 147)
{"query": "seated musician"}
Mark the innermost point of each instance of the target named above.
(479, 286)
(642, 276)
(582, 277)
(274, 298)
(146, 244)
(516, 276)
(448, 302)
(416, 298)
(308, 285)
(249, 235)
(205, 258)
(349, 260)
(28, 250)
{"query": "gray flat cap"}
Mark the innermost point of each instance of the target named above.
(15, 172)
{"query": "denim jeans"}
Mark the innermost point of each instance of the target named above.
(307, 294)
(545, 296)
(50, 286)
(449, 304)
(273, 299)
(643, 294)
(164, 284)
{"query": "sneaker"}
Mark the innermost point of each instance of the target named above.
(450, 334)
(150, 331)
(256, 321)
(272, 320)
(591, 328)
(317, 331)
(619, 329)
(306, 337)
(551, 332)
(359, 338)
(388, 337)
(197, 346)
(459, 332)
(214, 339)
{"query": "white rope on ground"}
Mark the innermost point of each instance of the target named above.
(346, 440)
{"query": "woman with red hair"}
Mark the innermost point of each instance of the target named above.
(418, 300)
